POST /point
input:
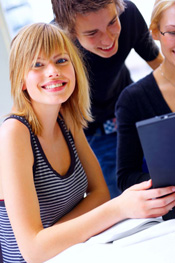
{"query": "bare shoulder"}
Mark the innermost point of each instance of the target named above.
(13, 131)
(15, 151)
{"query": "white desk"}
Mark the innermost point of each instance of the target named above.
(153, 245)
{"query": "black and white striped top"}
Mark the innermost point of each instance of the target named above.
(57, 194)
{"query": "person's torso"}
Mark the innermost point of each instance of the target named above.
(109, 76)
(57, 195)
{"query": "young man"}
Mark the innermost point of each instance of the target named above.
(106, 31)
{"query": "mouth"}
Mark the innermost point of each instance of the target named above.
(109, 48)
(57, 86)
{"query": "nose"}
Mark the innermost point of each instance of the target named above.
(52, 70)
(107, 38)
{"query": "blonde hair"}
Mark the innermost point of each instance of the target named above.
(25, 49)
(159, 7)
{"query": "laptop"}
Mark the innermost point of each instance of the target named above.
(157, 137)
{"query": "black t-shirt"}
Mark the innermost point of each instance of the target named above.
(109, 76)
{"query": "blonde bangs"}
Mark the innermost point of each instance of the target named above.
(46, 39)
(159, 7)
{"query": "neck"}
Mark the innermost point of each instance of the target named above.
(47, 116)
(168, 75)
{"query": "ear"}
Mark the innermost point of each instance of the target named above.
(23, 87)
(155, 34)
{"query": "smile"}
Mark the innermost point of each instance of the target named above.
(109, 48)
(54, 86)
(106, 48)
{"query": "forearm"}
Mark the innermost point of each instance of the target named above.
(156, 62)
(49, 242)
(91, 201)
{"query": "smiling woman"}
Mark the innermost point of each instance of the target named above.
(52, 191)
(54, 75)
(49, 105)
(46, 62)
(153, 95)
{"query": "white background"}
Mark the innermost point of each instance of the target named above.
(41, 11)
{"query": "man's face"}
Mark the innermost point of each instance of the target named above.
(98, 32)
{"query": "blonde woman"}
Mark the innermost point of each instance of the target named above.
(151, 96)
(53, 194)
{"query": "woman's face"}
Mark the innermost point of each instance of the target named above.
(50, 80)
(167, 34)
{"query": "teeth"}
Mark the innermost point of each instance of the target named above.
(106, 48)
(54, 86)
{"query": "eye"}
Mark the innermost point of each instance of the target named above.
(38, 65)
(172, 33)
(61, 60)
(113, 21)
(90, 34)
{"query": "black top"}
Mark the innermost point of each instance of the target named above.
(109, 76)
(139, 101)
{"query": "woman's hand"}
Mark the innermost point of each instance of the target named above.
(141, 202)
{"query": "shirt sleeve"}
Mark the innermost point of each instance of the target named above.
(136, 32)
(129, 150)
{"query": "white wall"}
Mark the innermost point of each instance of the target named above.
(136, 64)
(36, 16)
(5, 97)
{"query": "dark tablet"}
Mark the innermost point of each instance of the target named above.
(157, 137)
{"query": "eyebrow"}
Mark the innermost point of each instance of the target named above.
(57, 55)
(170, 26)
(60, 54)
(95, 30)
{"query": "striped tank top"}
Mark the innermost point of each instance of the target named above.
(57, 194)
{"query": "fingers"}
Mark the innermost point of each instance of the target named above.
(159, 192)
(141, 186)
(150, 202)
(156, 212)
(163, 201)
(152, 193)
(159, 206)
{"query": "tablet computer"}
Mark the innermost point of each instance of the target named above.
(157, 137)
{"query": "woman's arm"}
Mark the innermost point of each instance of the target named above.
(37, 244)
(16, 164)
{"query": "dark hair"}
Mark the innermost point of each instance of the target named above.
(65, 11)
